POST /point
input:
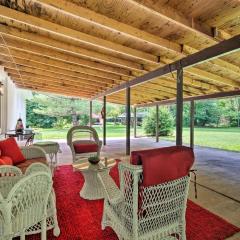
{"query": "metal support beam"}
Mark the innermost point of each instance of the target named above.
(104, 120)
(192, 113)
(218, 50)
(90, 113)
(179, 102)
(157, 123)
(135, 122)
(128, 120)
(188, 99)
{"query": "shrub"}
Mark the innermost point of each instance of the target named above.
(61, 123)
(165, 122)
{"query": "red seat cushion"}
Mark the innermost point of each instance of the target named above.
(10, 148)
(166, 164)
(5, 160)
(85, 146)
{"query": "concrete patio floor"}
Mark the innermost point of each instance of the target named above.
(218, 173)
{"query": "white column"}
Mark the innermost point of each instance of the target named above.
(13, 103)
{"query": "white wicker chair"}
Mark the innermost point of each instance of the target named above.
(146, 213)
(83, 135)
(10, 175)
(52, 221)
(25, 206)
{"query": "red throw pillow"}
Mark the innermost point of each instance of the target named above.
(4, 160)
(10, 149)
(160, 167)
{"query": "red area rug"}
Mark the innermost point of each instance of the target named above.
(80, 219)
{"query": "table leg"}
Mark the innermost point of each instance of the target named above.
(51, 156)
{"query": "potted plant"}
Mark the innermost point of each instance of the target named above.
(94, 159)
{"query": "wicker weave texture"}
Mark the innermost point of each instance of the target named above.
(155, 212)
(86, 132)
(10, 178)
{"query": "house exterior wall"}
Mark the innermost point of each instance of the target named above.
(13, 103)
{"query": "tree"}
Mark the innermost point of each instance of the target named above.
(165, 122)
(207, 113)
(35, 119)
(52, 110)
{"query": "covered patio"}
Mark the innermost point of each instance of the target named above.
(137, 53)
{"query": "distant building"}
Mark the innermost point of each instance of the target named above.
(140, 116)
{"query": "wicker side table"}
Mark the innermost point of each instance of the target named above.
(92, 188)
(52, 149)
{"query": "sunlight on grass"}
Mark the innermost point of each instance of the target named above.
(223, 138)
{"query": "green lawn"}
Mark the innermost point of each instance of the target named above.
(223, 138)
(112, 131)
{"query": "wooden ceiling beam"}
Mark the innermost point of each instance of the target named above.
(227, 15)
(30, 59)
(59, 82)
(60, 70)
(38, 53)
(54, 87)
(51, 79)
(187, 81)
(54, 73)
(221, 49)
(212, 77)
(53, 90)
(28, 22)
(43, 75)
(172, 84)
(65, 87)
(108, 23)
(218, 62)
(15, 38)
(206, 75)
(135, 96)
(173, 16)
(195, 98)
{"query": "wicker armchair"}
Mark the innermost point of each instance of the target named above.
(83, 141)
(10, 176)
(25, 205)
(136, 211)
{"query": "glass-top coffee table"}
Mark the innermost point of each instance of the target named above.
(92, 188)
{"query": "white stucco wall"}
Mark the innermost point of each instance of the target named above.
(13, 103)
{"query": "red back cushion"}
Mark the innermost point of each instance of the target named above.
(166, 164)
(10, 149)
(5, 160)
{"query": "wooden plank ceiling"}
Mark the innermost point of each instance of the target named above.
(81, 48)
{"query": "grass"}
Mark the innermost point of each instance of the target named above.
(112, 131)
(222, 138)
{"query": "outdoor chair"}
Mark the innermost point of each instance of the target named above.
(25, 205)
(151, 201)
(83, 141)
(11, 175)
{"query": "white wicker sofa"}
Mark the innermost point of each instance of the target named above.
(151, 201)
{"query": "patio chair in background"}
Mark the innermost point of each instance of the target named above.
(83, 141)
(151, 201)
